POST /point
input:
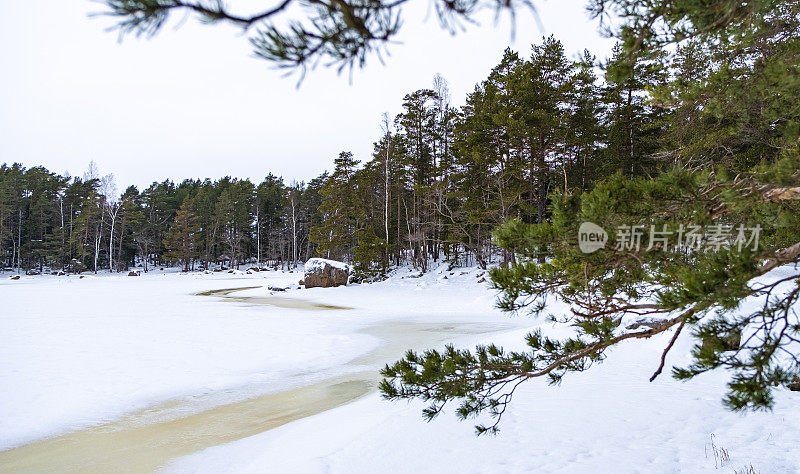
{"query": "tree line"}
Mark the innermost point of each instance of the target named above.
(440, 180)
(81, 223)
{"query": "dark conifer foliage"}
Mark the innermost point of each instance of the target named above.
(695, 127)
(75, 224)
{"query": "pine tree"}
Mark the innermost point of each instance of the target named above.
(488, 176)
(335, 237)
(417, 124)
(540, 89)
(628, 292)
(584, 134)
(633, 122)
(182, 239)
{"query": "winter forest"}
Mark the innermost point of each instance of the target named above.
(440, 180)
(636, 208)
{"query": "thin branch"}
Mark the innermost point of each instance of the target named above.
(666, 350)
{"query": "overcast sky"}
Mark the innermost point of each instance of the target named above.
(193, 102)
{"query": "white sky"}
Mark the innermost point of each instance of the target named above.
(193, 102)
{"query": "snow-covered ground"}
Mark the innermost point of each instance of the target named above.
(76, 352)
(79, 352)
(607, 420)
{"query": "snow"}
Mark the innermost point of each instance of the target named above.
(608, 419)
(314, 265)
(78, 352)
